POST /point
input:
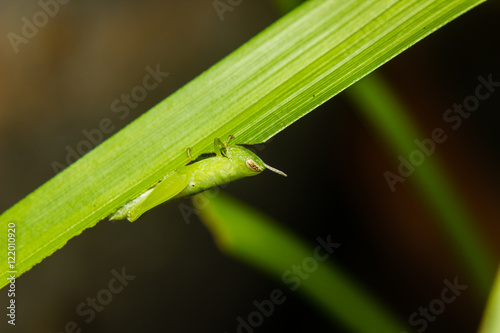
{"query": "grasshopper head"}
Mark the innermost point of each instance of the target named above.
(247, 162)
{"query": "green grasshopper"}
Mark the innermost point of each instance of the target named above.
(231, 162)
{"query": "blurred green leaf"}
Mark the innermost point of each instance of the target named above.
(389, 116)
(247, 234)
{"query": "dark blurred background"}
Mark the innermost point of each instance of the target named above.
(63, 81)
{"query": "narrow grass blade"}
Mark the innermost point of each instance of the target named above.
(298, 63)
(389, 117)
(247, 234)
(491, 319)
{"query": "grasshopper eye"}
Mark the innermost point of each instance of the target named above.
(252, 165)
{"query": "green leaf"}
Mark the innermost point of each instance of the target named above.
(389, 116)
(491, 318)
(249, 235)
(289, 69)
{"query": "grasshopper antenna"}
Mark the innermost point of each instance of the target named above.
(275, 170)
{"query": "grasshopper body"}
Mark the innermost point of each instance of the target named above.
(231, 162)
